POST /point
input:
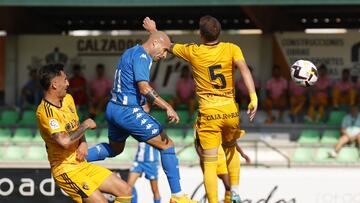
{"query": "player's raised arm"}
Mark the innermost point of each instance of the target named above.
(153, 98)
(149, 25)
(65, 139)
(249, 83)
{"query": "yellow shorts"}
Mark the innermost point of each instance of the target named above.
(83, 181)
(218, 124)
(221, 162)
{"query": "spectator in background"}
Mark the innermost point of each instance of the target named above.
(242, 94)
(185, 91)
(350, 131)
(320, 95)
(99, 91)
(297, 98)
(357, 87)
(78, 88)
(31, 93)
(344, 91)
(276, 89)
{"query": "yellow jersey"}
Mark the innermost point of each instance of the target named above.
(53, 119)
(213, 68)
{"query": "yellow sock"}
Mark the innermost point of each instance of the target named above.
(227, 196)
(233, 164)
(123, 199)
(210, 178)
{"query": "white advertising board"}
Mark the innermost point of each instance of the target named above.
(297, 185)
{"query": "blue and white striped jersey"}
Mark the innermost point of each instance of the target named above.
(146, 153)
(134, 66)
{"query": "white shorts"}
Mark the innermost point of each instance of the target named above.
(352, 131)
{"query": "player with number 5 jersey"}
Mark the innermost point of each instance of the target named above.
(213, 67)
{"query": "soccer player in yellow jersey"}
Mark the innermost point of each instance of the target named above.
(213, 65)
(66, 146)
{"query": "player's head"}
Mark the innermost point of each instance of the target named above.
(210, 29)
(157, 45)
(53, 79)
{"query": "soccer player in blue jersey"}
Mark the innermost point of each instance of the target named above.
(126, 116)
(146, 162)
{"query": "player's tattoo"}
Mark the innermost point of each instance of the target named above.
(151, 96)
(78, 132)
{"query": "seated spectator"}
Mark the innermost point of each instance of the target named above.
(99, 90)
(276, 89)
(350, 131)
(297, 100)
(185, 91)
(242, 93)
(344, 91)
(357, 87)
(78, 88)
(319, 95)
(31, 93)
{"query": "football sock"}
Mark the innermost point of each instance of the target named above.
(227, 196)
(134, 195)
(99, 152)
(210, 178)
(170, 164)
(156, 200)
(123, 199)
(233, 164)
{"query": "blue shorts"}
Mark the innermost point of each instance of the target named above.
(130, 120)
(150, 169)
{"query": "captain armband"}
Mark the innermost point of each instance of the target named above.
(151, 96)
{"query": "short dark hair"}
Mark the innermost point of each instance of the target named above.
(100, 65)
(49, 72)
(210, 28)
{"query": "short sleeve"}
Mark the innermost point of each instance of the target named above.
(237, 53)
(49, 122)
(182, 51)
(141, 67)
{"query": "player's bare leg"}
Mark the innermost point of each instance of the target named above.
(118, 187)
(96, 197)
(155, 190)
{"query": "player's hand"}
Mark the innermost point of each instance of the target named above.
(90, 123)
(149, 25)
(252, 107)
(172, 115)
(246, 157)
(82, 151)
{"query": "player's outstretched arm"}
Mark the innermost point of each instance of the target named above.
(149, 25)
(249, 83)
(65, 139)
(153, 98)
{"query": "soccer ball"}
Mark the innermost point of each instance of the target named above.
(304, 73)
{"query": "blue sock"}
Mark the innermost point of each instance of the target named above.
(170, 164)
(156, 200)
(99, 152)
(134, 195)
